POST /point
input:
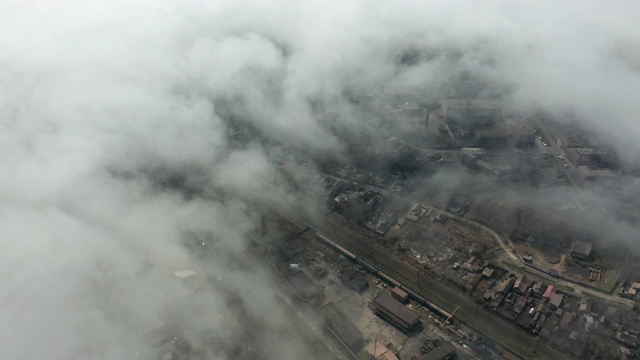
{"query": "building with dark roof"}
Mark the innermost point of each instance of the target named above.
(395, 312)
(478, 111)
(463, 118)
(539, 288)
(304, 287)
(469, 155)
(627, 337)
(521, 131)
(581, 250)
(493, 166)
(399, 294)
(505, 286)
(583, 156)
(519, 305)
(445, 351)
(355, 280)
(491, 139)
(555, 300)
(522, 284)
(340, 324)
(588, 173)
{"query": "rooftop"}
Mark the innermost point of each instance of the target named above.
(487, 272)
(441, 352)
(556, 299)
(303, 285)
(393, 306)
(550, 290)
(581, 248)
(342, 326)
(518, 125)
(400, 294)
(505, 285)
(522, 283)
(473, 151)
(583, 151)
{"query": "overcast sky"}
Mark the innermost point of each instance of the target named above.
(98, 97)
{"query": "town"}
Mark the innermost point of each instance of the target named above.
(541, 277)
(399, 264)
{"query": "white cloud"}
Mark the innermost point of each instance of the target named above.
(98, 98)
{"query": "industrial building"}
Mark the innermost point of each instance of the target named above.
(304, 287)
(584, 157)
(587, 173)
(355, 280)
(492, 139)
(342, 327)
(478, 159)
(474, 122)
(521, 131)
(581, 250)
(445, 351)
(484, 123)
(395, 312)
(479, 112)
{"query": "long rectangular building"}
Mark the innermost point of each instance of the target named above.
(395, 312)
(338, 322)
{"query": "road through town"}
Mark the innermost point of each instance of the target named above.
(505, 334)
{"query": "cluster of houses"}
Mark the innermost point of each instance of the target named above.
(543, 309)
(520, 299)
(631, 292)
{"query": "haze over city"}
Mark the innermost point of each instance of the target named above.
(181, 177)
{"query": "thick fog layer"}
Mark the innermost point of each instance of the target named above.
(108, 108)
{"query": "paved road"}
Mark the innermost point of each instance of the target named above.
(554, 150)
(504, 333)
(515, 260)
(610, 298)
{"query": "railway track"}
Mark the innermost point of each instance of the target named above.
(487, 323)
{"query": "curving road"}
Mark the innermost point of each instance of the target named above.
(502, 241)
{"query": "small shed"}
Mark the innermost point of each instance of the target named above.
(399, 294)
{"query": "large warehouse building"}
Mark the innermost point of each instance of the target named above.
(395, 312)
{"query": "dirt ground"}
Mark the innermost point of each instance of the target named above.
(428, 243)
